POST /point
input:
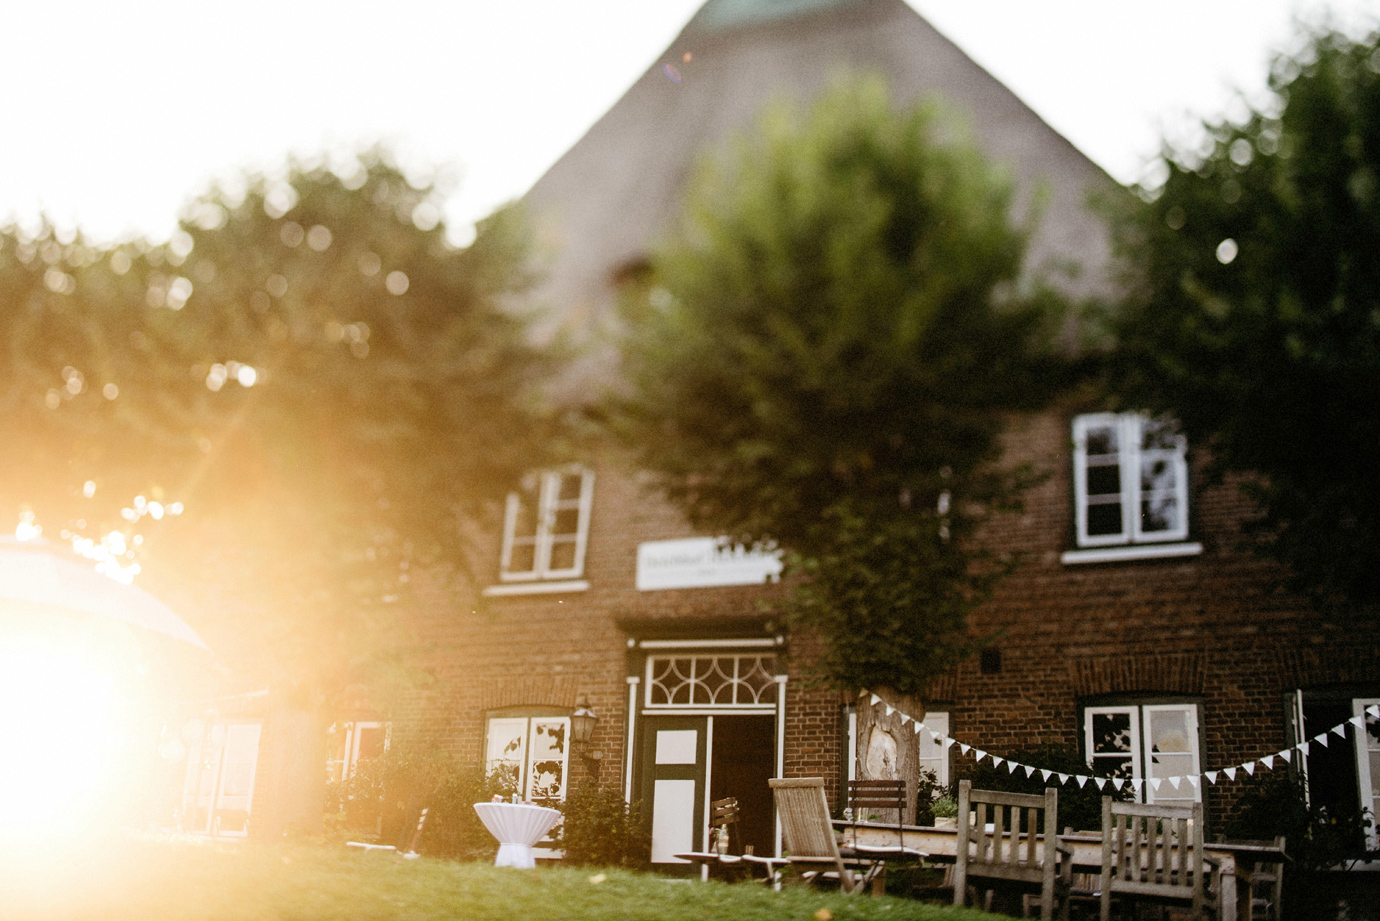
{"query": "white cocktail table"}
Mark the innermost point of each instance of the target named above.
(517, 826)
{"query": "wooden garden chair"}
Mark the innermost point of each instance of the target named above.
(809, 834)
(1155, 853)
(1011, 836)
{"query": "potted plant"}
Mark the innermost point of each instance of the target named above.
(945, 811)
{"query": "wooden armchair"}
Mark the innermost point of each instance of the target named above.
(1156, 853)
(723, 828)
(1010, 836)
(809, 834)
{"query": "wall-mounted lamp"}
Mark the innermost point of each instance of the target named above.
(582, 723)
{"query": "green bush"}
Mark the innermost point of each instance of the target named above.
(1317, 838)
(1078, 808)
(601, 829)
(382, 798)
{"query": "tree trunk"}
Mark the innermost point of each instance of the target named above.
(887, 749)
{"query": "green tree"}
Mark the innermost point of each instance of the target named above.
(1254, 309)
(824, 357)
(323, 383)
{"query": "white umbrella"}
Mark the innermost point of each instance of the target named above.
(33, 572)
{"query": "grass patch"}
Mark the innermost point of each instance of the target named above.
(156, 880)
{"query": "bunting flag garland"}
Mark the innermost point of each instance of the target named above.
(1267, 762)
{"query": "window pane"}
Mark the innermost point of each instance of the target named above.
(1169, 731)
(1111, 733)
(506, 749)
(1102, 440)
(562, 555)
(1160, 434)
(1157, 473)
(371, 739)
(567, 521)
(1159, 513)
(569, 489)
(525, 522)
(1118, 766)
(1104, 519)
(548, 759)
(1104, 480)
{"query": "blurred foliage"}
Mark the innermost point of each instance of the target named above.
(1079, 809)
(325, 383)
(600, 829)
(1254, 309)
(824, 357)
(383, 797)
(1316, 837)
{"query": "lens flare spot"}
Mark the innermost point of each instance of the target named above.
(672, 72)
(1226, 251)
(397, 283)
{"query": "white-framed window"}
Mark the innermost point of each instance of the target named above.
(1146, 742)
(546, 526)
(1130, 480)
(356, 743)
(1368, 762)
(531, 752)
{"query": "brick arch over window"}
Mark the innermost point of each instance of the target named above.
(1336, 664)
(1173, 673)
(536, 691)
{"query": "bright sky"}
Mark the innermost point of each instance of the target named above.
(117, 113)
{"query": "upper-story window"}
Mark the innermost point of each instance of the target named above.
(1130, 480)
(546, 526)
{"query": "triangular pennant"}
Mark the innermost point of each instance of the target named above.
(1250, 767)
(1192, 781)
(1082, 780)
(1118, 782)
(890, 709)
(1154, 783)
(1137, 783)
(964, 748)
(1211, 776)
(919, 726)
(1230, 772)
(1011, 767)
(1269, 762)
(997, 761)
(1303, 747)
(1373, 710)
(1321, 739)
(1029, 771)
(1044, 775)
(1339, 731)
(935, 736)
(876, 700)
(948, 743)
(905, 718)
(1287, 755)
(1174, 782)
(1063, 778)
(978, 755)
(1101, 782)
(1357, 721)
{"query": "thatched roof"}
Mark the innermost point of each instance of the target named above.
(601, 206)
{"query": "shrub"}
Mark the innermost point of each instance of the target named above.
(1318, 838)
(382, 798)
(600, 829)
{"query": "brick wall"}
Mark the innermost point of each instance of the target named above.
(1215, 627)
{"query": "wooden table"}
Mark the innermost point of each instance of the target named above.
(942, 844)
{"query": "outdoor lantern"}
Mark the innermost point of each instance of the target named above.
(582, 723)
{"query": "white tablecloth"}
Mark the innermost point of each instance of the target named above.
(517, 826)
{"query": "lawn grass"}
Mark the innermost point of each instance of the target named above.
(142, 880)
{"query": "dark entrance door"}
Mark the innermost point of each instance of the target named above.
(744, 759)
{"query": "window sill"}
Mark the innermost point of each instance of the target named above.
(536, 588)
(1131, 552)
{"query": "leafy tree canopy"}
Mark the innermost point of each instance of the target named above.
(1254, 313)
(824, 355)
(308, 368)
